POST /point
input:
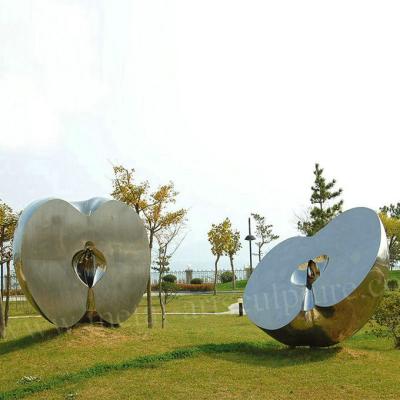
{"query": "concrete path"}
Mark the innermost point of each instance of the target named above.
(233, 309)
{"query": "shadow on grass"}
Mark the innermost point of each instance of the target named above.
(28, 340)
(269, 354)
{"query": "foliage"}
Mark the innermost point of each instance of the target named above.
(390, 217)
(392, 284)
(219, 236)
(203, 287)
(263, 233)
(153, 207)
(226, 276)
(126, 190)
(233, 245)
(387, 317)
(192, 287)
(169, 278)
(8, 223)
(169, 290)
(196, 281)
(322, 209)
(157, 215)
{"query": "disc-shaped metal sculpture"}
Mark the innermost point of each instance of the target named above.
(83, 260)
(319, 290)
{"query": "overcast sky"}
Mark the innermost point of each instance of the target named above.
(232, 100)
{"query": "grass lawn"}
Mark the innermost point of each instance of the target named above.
(196, 357)
(394, 275)
(240, 285)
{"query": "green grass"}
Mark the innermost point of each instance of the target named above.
(18, 308)
(240, 285)
(394, 275)
(195, 356)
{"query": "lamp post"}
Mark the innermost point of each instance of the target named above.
(250, 237)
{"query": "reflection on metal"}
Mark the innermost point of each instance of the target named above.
(84, 260)
(89, 264)
(319, 290)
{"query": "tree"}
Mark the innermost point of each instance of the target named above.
(388, 317)
(8, 223)
(157, 218)
(126, 190)
(167, 238)
(263, 233)
(390, 217)
(322, 209)
(232, 246)
(218, 237)
(151, 207)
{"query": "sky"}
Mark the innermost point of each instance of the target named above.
(234, 101)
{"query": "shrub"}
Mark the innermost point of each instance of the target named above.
(169, 278)
(203, 287)
(185, 287)
(393, 284)
(196, 281)
(226, 277)
(387, 316)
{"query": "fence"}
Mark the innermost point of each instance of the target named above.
(15, 287)
(207, 276)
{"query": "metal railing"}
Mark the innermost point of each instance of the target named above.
(207, 276)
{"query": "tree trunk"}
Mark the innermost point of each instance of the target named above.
(149, 306)
(163, 313)
(1, 258)
(160, 297)
(2, 275)
(2, 327)
(259, 253)
(8, 290)
(233, 273)
(216, 275)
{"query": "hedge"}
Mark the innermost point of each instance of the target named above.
(187, 287)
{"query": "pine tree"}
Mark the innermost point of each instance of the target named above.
(322, 208)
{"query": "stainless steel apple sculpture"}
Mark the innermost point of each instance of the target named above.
(319, 290)
(83, 260)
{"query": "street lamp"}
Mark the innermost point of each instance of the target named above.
(250, 237)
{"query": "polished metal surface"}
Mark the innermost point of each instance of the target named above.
(319, 290)
(84, 259)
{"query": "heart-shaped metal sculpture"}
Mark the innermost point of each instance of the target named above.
(319, 290)
(82, 260)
